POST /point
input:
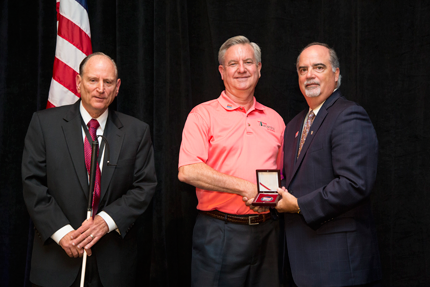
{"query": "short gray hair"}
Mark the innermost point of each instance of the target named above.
(236, 41)
(334, 60)
(85, 60)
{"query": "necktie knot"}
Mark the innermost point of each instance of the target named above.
(92, 126)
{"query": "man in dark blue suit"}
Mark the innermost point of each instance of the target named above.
(330, 162)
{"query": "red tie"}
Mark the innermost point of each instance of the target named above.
(92, 126)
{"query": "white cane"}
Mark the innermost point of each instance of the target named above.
(94, 147)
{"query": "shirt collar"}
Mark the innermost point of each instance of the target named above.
(230, 105)
(317, 109)
(86, 117)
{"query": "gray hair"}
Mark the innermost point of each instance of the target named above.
(236, 41)
(334, 60)
(85, 60)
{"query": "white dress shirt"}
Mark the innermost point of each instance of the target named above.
(60, 233)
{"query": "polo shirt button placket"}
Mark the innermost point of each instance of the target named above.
(248, 127)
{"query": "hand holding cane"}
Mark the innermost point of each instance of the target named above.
(94, 147)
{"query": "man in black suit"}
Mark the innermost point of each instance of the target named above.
(55, 181)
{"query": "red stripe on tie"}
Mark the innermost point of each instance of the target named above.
(74, 34)
(65, 75)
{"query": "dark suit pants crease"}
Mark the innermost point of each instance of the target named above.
(227, 254)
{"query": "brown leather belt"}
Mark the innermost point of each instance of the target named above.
(251, 219)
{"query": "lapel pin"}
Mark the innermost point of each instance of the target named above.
(312, 132)
(297, 133)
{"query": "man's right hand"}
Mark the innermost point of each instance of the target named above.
(72, 251)
(205, 177)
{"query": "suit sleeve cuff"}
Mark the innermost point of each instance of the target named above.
(109, 221)
(60, 233)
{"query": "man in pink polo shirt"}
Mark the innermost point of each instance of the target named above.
(224, 142)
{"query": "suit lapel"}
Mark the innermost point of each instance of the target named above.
(73, 134)
(292, 156)
(298, 135)
(316, 125)
(115, 138)
(312, 131)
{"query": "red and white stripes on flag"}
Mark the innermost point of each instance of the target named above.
(73, 45)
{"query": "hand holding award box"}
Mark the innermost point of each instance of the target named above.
(268, 182)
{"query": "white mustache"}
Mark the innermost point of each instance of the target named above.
(309, 82)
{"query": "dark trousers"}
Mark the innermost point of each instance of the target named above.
(228, 254)
(92, 278)
(289, 282)
(372, 284)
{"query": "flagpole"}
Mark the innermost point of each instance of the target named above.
(94, 146)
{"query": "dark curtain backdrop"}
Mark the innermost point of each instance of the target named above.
(167, 57)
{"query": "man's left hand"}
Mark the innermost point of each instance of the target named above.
(90, 232)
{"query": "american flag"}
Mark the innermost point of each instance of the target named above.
(73, 45)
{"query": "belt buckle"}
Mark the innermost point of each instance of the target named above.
(249, 220)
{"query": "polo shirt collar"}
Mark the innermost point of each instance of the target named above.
(230, 105)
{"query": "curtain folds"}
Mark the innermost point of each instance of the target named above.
(166, 52)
